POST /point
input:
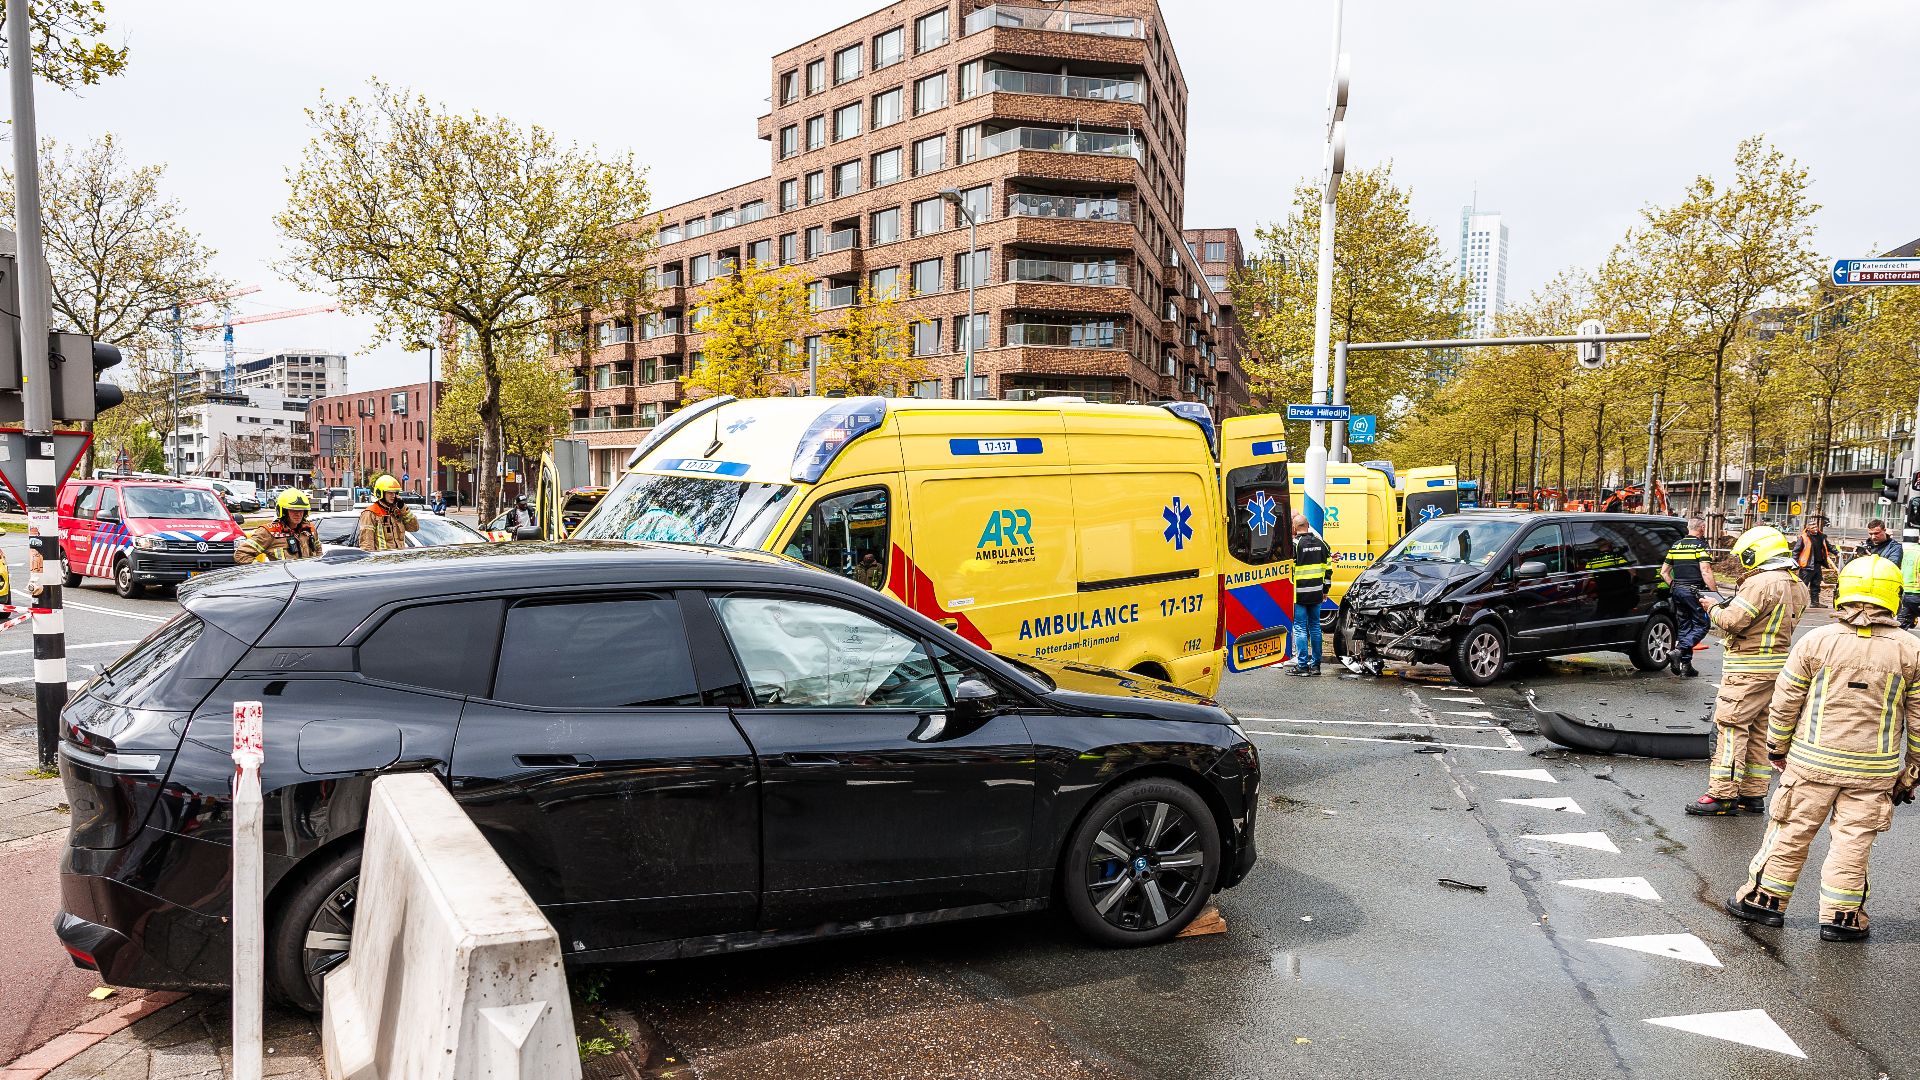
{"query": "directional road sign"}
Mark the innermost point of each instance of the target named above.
(1318, 412)
(1362, 429)
(1876, 272)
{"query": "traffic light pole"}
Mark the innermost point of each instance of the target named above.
(36, 391)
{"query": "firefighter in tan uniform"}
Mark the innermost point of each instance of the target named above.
(1757, 625)
(288, 536)
(1845, 729)
(384, 525)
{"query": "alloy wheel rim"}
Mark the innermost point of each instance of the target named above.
(1146, 865)
(1660, 642)
(330, 933)
(1483, 656)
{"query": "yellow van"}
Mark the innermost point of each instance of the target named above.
(1369, 508)
(1059, 530)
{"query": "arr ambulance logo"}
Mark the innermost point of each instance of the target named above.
(1008, 537)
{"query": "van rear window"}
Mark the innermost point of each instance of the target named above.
(1261, 529)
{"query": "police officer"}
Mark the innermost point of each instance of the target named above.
(1311, 559)
(1688, 571)
(1757, 625)
(1844, 727)
(288, 536)
(385, 523)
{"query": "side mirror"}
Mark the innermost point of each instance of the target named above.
(527, 532)
(975, 697)
(1532, 568)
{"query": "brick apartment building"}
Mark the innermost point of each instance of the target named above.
(359, 436)
(1062, 128)
(1221, 255)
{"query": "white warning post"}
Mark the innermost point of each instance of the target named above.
(249, 892)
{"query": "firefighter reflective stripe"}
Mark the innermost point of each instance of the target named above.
(1910, 567)
(1756, 869)
(1772, 654)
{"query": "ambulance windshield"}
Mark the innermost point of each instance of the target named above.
(687, 510)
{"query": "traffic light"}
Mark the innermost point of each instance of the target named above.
(77, 362)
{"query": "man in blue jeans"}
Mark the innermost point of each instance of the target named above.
(1311, 567)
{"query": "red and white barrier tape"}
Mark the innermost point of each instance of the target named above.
(16, 621)
(15, 609)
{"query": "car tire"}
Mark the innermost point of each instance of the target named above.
(71, 580)
(321, 905)
(124, 582)
(1173, 859)
(1654, 650)
(1479, 655)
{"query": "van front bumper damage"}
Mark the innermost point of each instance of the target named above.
(1392, 626)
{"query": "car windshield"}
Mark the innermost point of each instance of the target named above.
(687, 510)
(435, 532)
(1454, 539)
(177, 503)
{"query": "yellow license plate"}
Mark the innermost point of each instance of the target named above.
(1259, 650)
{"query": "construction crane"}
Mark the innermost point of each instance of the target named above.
(229, 378)
(180, 358)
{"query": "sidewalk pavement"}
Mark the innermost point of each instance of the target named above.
(50, 1026)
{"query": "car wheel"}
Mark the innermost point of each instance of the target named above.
(1655, 648)
(123, 581)
(70, 579)
(1141, 864)
(1479, 656)
(312, 930)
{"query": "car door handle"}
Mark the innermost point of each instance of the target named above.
(810, 759)
(552, 761)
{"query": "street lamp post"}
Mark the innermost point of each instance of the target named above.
(1336, 161)
(959, 202)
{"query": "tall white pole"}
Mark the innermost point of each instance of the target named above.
(1316, 508)
(248, 915)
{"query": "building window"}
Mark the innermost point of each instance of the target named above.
(846, 178)
(969, 271)
(886, 225)
(789, 140)
(886, 167)
(926, 277)
(816, 241)
(929, 155)
(926, 342)
(669, 234)
(816, 76)
(979, 387)
(890, 48)
(816, 132)
(696, 227)
(969, 80)
(789, 195)
(979, 202)
(886, 107)
(930, 93)
(816, 187)
(846, 64)
(928, 217)
(787, 249)
(846, 121)
(752, 212)
(1216, 251)
(884, 283)
(930, 30)
(760, 253)
(701, 269)
(789, 87)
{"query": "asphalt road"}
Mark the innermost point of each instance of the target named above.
(100, 625)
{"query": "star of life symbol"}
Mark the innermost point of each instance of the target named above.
(1429, 512)
(741, 425)
(1260, 513)
(1178, 529)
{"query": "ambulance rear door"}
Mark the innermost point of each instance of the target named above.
(1256, 581)
(1431, 492)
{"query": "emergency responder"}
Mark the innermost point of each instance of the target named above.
(1910, 579)
(1311, 568)
(1757, 625)
(1813, 553)
(1881, 542)
(871, 572)
(1844, 728)
(385, 523)
(1688, 571)
(288, 536)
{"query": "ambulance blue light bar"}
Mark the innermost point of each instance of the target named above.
(836, 426)
(1196, 413)
(674, 423)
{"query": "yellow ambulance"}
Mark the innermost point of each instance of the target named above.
(1108, 535)
(1369, 508)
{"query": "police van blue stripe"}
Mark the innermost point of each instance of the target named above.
(992, 447)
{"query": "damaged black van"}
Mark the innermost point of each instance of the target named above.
(1480, 589)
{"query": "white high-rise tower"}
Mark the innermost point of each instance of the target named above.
(1483, 260)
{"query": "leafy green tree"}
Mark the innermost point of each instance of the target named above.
(754, 320)
(415, 215)
(536, 401)
(67, 46)
(868, 352)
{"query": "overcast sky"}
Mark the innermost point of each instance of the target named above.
(1568, 115)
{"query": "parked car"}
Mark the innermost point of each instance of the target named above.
(8, 504)
(138, 533)
(342, 530)
(1480, 589)
(782, 755)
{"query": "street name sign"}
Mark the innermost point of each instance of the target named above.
(1876, 272)
(1319, 412)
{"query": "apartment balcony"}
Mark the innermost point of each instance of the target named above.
(828, 299)
(1067, 335)
(605, 379)
(1059, 141)
(843, 240)
(1038, 394)
(1068, 208)
(1082, 88)
(613, 335)
(1059, 272)
(1017, 17)
(584, 424)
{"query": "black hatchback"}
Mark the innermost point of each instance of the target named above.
(676, 750)
(1479, 589)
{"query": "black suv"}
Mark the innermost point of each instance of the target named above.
(676, 750)
(1478, 589)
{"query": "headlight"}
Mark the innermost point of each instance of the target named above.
(146, 543)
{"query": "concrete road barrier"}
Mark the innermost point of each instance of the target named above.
(454, 972)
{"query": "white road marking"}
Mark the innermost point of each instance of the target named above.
(1748, 1027)
(1362, 723)
(1561, 804)
(1467, 700)
(71, 647)
(1480, 715)
(1541, 775)
(1678, 946)
(1637, 887)
(72, 684)
(1403, 742)
(1598, 841)
(122, 614)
